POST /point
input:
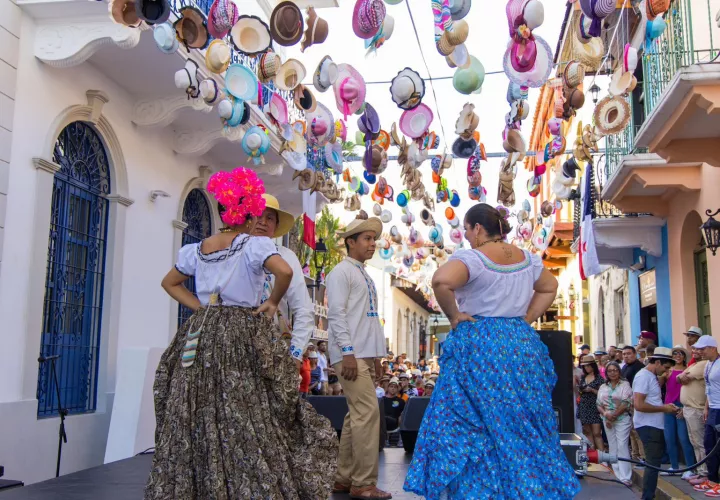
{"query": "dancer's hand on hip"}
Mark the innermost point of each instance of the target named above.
(268, 307)
(460, 318)
(349, 367)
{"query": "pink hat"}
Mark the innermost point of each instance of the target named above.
(222, 16)
(349, 90)
(523, 55)
(368, 17)
(415, 122)
(277, 108)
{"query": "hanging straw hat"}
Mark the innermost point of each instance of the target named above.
(590, 54)
(124, 12)
(588, 359)
(290, 75)
(407, 89)
(304, 99)
(191, 28)
(153, 11)
(316, 32)
(250, 35)
(286, 24)
(325, 74)
(223, 14)
(217, 56)
(612, 115)
(573, 74)
(268, 65)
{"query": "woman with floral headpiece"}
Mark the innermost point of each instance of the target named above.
(230, 423)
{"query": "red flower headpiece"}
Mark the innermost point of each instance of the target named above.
(240, 192)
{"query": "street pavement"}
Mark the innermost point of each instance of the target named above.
(394, 464)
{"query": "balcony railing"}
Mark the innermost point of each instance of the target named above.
(239, 58)
(691, 37)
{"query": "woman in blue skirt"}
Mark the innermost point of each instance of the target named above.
(489, 431)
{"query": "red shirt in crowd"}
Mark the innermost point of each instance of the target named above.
(305, 374)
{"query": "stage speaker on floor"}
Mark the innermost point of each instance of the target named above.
(411, 420)
(334, 408)
(559, 344)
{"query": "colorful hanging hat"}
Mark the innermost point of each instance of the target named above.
(325, 74)
(316, 32)
(277, 109)
(583, 29)
(268, 66)
(590, 54)
(470, 79)
(290, 75)
(369, 122)
(368, 16)
(460, 57)
(223, 14)
(153, 11)
(349, 88)
(630, 58)
(234, 112)
(286, 24)
(468, 120)
(210, 92)
(655, 8)
(250, 35)
(407, 89)
(573, 74)
(191, 28)
(304, 99)
(320, 125)
(256, 143)
(597, 10)
(612, 115)
(124, 12)
(382, 36)
(217, 56)
(241, 82)
(187, 79)
(459, 9)
(165, 39)
(415, 122)
(538, 75)
(340, 130)
(464, 148)
(334, 156)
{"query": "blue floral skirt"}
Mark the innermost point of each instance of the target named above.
(489, 431)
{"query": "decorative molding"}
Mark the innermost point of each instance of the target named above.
(46, 165)
(96, 100)
(178, 224)
(116, 198)
(162, 112)
(199, 142)
(69, 42)
(205, 173)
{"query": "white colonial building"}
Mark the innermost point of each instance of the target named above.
(102, 168)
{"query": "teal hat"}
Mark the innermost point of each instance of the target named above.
(255, 143)
(241, 82)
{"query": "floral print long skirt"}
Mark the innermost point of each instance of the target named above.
(232, 425)
(489, 431)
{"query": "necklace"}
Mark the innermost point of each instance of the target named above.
(488, 241)
(226, 230)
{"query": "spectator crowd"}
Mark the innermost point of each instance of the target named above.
(656, 405)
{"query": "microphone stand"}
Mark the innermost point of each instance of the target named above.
(62, 435)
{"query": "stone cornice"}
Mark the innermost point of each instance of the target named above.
(116, 198)
(178, 224)
(162, 112)
(46, 165)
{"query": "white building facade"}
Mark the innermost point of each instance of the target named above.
(103, 164)
(610, 309)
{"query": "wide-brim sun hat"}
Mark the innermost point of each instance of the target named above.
(304, 99)
(241, 82)
(358, 226)
(464, 148)
(539, 74)
(663, 354)
(286, 24)
(590, 54)
(325, 74)
(612, 115)
(407, 89)
(191, 28)
(165, 39)
(277, 108)
(597, 10)
(286, 220)
(124, 12)
(316, 32)
(153, 11)
(459, 9)
(415, 122)
(588, 359)
(239, 115)
(250, 35)
(334, 156)
(223, 14)
(620, 83)
(217, 56)
(320, 125)
(290, 75)
(255, 141)
(349, 89)
(368, 16)
(523, 55)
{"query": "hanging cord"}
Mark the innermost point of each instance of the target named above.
(612, 40)
(432, 86)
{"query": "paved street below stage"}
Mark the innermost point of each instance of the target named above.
(394, 464)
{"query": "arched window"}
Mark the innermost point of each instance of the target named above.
(72, 313)
(198, 217)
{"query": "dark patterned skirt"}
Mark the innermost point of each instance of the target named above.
(232, 425)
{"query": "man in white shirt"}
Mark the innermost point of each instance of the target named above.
(649, 420)
(275, 223)
(357, 344)
(323, 364)
(708, 347)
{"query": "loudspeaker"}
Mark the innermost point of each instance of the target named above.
(411, 420)
(334, 408)
(559, 344)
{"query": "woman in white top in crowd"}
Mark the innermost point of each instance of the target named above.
(491, 427)
(614, 400)
(230, 423)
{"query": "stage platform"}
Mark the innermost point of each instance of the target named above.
(125, 480)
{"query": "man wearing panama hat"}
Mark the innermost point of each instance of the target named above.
(356, 345)
(274, 223)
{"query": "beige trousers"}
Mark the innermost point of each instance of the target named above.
(696, 430)
(359, 443)
(638, 451)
